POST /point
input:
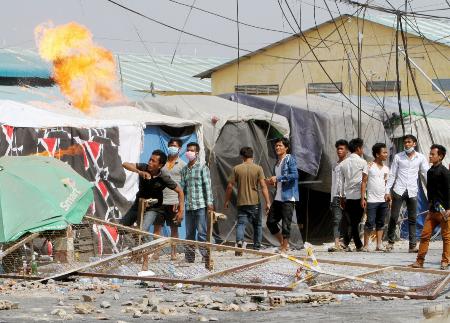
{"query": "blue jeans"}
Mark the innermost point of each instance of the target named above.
(149, 218)
(195, 230)
(246, 214)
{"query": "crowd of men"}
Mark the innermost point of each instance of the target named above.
(358, 186)
(184, 190)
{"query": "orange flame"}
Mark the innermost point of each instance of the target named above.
(71, 151)
(84, 72)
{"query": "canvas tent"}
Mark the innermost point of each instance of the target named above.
(227, 127)
(95, 145)
(438, 117)
(316, 123)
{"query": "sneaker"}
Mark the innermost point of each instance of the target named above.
(362, 249)
(444, 266)
(413, 249)
(416, 265)
(347, 248)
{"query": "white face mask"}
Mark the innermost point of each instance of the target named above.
(409, 150)
(173, 150)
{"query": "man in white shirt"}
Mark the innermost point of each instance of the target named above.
(335, 205)
(403, 180)
(350, 189)
(374, 184)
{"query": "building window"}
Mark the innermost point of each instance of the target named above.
(443, 84)
(325, 87)
(271, 89)
(373, 86)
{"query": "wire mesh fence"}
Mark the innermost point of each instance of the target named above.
(421, 284)
(107, 250)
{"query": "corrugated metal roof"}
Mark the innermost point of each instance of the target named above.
(23, 63)
(432, 29)
(435, 30)
(139, 71)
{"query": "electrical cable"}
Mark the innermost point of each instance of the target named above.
(408, 64)
(181, 33)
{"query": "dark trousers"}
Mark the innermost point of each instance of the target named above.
(411, 205)
(376, 213)
(355, 213)
(280, 211)
(131, 216)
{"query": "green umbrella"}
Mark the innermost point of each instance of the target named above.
(40, 193)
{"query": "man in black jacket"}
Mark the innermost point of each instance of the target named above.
(438, 187)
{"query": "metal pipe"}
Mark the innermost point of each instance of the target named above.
(402, 51)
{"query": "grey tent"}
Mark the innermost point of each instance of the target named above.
(228, 126)
(316, 123)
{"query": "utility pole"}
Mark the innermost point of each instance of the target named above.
(360, 36)
(397, 85)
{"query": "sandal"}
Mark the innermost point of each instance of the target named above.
(382, 249)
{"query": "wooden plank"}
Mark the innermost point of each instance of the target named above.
(120, 226)
(237, 268)
(366, 293)
(209, 232)
(440, 287)
(349, 263)
(422, 270)
(153, 243)
(186, 281)
(13, 276)
(18, 244)
(181, 241)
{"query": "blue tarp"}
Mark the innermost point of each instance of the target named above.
(156, 138)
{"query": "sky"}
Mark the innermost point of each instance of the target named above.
(124, 32)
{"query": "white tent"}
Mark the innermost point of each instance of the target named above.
(129, 120)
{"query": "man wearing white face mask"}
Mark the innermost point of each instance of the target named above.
(173, 168)
(403, 180)
(196, 183)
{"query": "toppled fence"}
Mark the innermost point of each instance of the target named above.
(106, 250)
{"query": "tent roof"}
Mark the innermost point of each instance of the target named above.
(316, 123)
(203, 108)
(47, 115)
(410, 105)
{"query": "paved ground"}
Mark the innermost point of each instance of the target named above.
(36, 305)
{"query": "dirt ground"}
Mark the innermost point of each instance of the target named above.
(55, 302)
